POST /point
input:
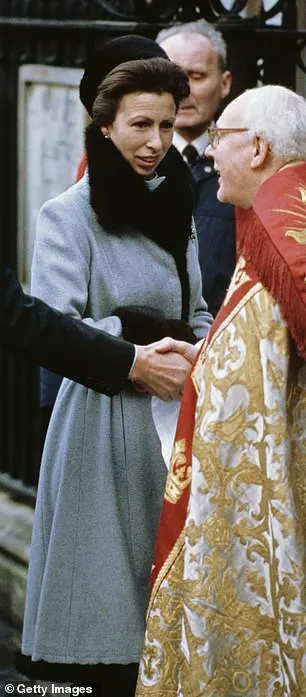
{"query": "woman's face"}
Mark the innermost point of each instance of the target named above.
(143, 129)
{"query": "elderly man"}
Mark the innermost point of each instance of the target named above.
(227, 615)
(201, 51)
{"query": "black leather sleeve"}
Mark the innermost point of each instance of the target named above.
(66, 346)
(143, 325)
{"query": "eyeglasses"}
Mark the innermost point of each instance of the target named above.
(215, 133)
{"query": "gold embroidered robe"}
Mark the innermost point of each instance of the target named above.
(227, 615)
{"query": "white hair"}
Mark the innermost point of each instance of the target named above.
(279, 115)
(204, 29)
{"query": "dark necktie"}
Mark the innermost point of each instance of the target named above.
(191, 154)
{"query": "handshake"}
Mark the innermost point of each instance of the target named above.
(161, 368)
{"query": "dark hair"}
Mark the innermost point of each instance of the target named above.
(155, 75)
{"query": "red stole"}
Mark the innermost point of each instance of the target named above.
(272, 237)
(174, 511)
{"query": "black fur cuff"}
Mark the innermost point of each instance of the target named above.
(143, 325)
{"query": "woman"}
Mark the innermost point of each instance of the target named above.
(113, 52)
(117, 250)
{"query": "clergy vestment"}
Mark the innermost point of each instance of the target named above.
(227, 613)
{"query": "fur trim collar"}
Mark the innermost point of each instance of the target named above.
(120, 199)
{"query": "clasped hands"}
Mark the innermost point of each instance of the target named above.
(161, 368)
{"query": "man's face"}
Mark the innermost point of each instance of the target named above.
(232, 157)
(208, 84)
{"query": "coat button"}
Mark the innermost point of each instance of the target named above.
(207, 169)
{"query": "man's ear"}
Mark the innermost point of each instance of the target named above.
(226, 83)
(260, 151)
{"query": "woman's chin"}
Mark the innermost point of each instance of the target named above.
(146, 172)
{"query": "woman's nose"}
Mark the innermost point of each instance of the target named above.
(155, 140)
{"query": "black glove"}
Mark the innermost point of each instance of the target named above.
(143, 325)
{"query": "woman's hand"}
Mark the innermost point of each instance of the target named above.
(189, 351)
(161, 368)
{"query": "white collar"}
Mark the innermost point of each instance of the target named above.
(200, 143)
(155, 182)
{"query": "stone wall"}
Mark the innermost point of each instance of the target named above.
(15, 539)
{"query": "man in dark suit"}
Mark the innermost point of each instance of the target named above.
(71, 348)
(201, 51)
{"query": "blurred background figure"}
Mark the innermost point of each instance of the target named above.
(201, 51)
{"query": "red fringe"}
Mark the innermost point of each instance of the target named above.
(256, 246)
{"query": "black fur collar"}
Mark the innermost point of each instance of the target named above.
(120, 199)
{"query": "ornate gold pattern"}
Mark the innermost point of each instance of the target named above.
(179, 474)
(229, 618)
(239, 278)
(298, 214)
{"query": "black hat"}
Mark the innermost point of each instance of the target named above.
(114, 52)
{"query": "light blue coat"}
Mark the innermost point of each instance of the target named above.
(102, 475)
